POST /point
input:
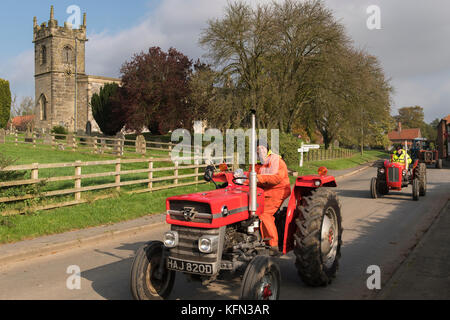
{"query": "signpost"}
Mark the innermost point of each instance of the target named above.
(306, 148)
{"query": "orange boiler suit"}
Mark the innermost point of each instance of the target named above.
(274, 180)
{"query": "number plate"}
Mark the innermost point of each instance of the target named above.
(189, 267)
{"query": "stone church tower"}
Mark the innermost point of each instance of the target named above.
(62, 89)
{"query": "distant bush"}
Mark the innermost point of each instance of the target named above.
(289, 146)
(60, 130)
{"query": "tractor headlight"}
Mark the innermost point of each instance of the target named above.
(171, 239)
(317, 183)
(208, 244)
(404, 172)
(382, 171)
(225, 211)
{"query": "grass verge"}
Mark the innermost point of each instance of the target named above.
(123, 207)
(339, 164)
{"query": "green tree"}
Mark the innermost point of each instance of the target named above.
(411, 117)
(5, 103)
(414, 117)
(106, 109)
(271, 53)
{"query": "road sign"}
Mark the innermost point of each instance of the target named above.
(305, 149)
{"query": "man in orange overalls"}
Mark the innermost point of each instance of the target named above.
(273, 178)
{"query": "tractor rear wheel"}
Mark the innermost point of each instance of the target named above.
(261, 280)
(422, 176)
(416, 189)
(146, 282)
(318, 238)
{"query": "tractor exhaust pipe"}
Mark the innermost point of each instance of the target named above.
(253, 179)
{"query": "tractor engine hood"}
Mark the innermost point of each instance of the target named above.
(211, 209)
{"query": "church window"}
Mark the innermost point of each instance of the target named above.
(67, 55)
(43, 55)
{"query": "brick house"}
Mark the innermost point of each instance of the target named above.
(399, 136)
(21, 123)
(443, 142)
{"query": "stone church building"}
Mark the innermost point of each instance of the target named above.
(63, 90)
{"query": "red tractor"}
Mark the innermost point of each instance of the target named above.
(395, 176)
(218, 232)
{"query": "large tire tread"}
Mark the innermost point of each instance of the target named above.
(253, 275)
(307, 238)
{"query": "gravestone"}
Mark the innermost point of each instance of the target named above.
(88, 128)
(69, 140)
(141, 145)
(2, 136)
(29, 134)
(48, 139)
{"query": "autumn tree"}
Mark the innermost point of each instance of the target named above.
(156, 89)
(270, 53)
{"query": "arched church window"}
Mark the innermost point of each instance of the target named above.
(67, 55)
(43, 108)
(43, 55)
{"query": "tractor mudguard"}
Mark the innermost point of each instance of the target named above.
(302, 187)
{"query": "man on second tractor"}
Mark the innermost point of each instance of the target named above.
(273, 177)
(400, 155)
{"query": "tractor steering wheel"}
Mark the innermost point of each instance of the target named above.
(239, 178)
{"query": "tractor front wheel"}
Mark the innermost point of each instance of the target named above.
(147, 280)
(374, 188)
(261, 280)
(318, 239)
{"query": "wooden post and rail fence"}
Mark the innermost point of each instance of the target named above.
(93, 144)
(146, 179)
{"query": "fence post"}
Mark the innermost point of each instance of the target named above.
(95, 145)
(176, 172)
(53, 142)
(74, 144)
(150, 175)
(196, 162)
(17, 139)
(78, 179)
(35, 171)
(34, 140)
(118, 167)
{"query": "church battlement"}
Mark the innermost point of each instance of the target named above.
(52, 29)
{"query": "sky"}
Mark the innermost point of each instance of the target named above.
(411, 41)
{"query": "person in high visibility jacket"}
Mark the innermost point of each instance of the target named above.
(399, 157)
(272, 175)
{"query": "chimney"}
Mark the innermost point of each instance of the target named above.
(399, 129)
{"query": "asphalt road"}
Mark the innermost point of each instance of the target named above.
(377, 232)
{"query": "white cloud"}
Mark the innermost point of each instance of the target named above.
(412, 45)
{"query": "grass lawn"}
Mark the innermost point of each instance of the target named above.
(120, 208)
(340, 164)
